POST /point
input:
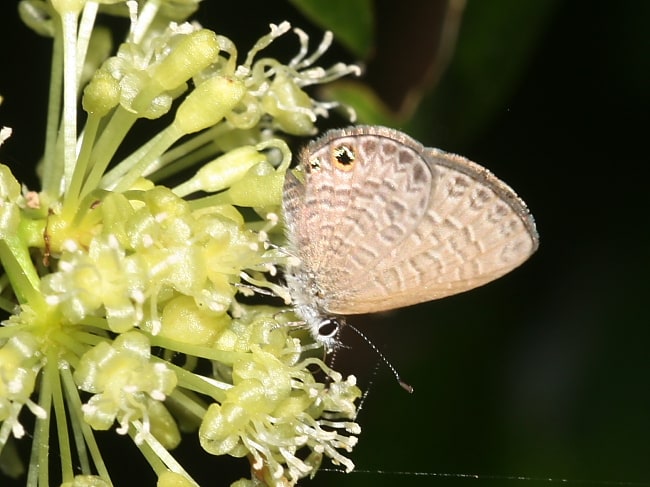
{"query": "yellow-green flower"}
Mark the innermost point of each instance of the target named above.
(123, 275)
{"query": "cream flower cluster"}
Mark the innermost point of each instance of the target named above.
(120, 287)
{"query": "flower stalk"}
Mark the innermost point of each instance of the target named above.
(123, 276)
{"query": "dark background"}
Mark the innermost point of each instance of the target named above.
(543, 373)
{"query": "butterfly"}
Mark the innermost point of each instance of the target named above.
(378, 222)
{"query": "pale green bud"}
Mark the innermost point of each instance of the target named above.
(163, 426)
(68, 6)
(222, 172)
(185, 322)
(195, 52)
(209, 103)
(86, 481)
(173, 479)
(101, 94)
(261, 188)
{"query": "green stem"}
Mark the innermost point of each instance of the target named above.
(86, 26)
(112, 177)
(52, 165)
(225, 357)
(145, 160)
(157, 465)
(186, 161)
(21, 272)
(112, 136)
(38, 474)
(69, 21)
(199, 147)
(67, 474)
(76, 420)
(187, 402)
(145, 17)
(70, 204)
(157, 455)
(194, 382)
(72, 396)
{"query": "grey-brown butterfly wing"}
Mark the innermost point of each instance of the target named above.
(347, 214)
(383, 223)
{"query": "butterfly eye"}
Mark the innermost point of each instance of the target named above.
(328, 328)
(343, 157)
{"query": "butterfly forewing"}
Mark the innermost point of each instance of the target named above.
(381, 223)
(381, 197)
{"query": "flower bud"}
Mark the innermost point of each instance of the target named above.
(192, 54)
(101, 94)
(209, 103)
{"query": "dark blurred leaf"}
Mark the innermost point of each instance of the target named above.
(367, 105)
(351, 21)
(414, 43)
(496, 43)
(450, 89)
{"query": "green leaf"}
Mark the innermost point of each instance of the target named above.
(351, 21)
(495, 45)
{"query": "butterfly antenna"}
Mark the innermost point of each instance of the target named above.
(407, 387)
(366, 392)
